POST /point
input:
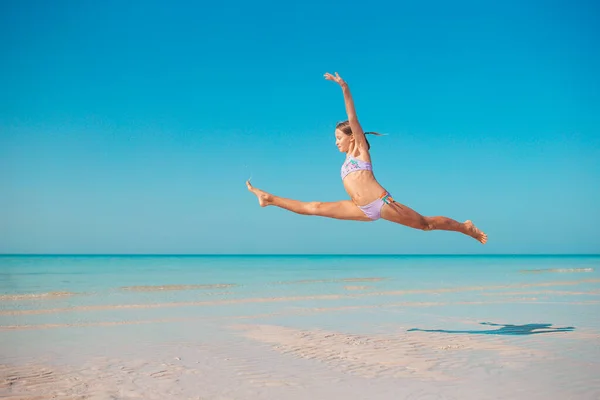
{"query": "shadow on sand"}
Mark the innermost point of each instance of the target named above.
(527, 329)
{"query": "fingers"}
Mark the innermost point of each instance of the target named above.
(335, 78)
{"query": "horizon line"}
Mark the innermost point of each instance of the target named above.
(292, 254)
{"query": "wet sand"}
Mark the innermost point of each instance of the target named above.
(359, 342)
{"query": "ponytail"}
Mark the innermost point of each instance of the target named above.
(373, 133)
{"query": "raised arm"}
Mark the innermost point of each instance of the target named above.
(357, 131)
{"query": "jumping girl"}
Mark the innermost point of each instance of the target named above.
(369, 200)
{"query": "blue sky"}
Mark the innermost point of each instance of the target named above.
(130, 127)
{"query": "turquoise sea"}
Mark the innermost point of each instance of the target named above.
(66, 309)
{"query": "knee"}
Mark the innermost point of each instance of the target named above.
(426, 224)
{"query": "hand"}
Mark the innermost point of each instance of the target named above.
(337, 79)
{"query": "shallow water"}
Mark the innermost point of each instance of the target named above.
(424, 326)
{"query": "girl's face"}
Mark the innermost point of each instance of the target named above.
(343, 141)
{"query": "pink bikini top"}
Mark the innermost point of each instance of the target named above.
(354, 164)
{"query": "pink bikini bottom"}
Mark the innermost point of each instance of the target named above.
(373, 209)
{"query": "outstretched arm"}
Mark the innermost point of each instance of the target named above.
(357, 131)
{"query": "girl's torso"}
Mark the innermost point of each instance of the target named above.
(359, 180)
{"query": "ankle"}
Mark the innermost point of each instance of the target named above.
(268, 198)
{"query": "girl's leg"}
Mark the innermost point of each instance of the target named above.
(401, 214)
(344, 209)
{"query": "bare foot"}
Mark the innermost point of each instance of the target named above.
(474, 232)
(264, 198)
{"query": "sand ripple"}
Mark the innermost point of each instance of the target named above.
(297, 298)
(545, 292)
(33, 381)
(159, 288)
(337, 280)
(416, 355)
(357, 287)
(559, 270)
(112, 381)
(35, 296)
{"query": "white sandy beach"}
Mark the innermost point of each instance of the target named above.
(370, 337)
